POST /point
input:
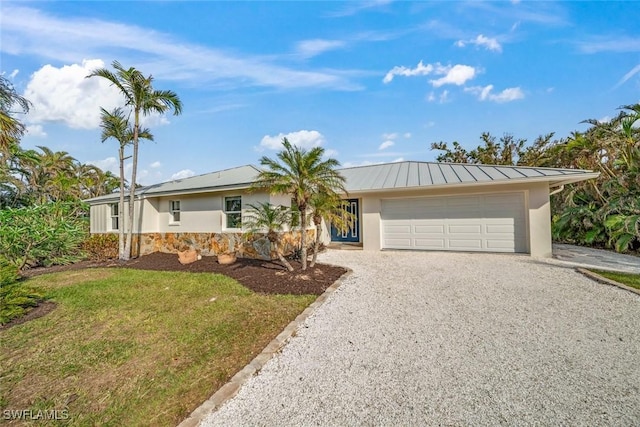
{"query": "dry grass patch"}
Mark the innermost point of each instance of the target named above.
(130, 347)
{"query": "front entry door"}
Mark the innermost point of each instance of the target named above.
(353, 233)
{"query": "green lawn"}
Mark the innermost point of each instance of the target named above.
(130, 347)
(632, 280)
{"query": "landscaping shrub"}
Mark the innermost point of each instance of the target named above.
(15, 298)
(101, 247)
(45, 234)
(8, 272)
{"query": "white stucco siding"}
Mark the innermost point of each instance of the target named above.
(202, 213)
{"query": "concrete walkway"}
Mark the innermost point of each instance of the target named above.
(428, 338)
(578, 256)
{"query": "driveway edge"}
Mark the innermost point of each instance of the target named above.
(231, 388)
(606, 281)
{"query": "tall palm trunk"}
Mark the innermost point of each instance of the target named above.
(121, 207)
(132, 191)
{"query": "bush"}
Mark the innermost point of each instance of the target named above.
(8, 273)
(42, 235)
(101, 247)
(15, 298)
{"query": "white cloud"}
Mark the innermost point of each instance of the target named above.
(36, 131)
(29, 31)
(109, 164)
(184, 173)
(442, 98)
(635, 70)
(303, 139)
(65, 95)
(386, 145)
(310, 48)
(457, 75)
(420, 70)
(392, 135)
(14, 73)
(359, 163)
(485, 94)
(155, 165)
(399, 159)
(482, 41)
(407, 135)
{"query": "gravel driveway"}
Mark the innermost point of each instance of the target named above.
(453, 339)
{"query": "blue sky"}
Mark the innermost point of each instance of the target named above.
(369, 81)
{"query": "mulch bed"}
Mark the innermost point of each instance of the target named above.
(262, 276)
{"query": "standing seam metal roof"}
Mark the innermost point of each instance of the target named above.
(387, 176)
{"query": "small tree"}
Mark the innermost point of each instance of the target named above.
(300, 174)
(331, 208)
(273, 219)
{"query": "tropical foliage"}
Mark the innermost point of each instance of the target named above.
(45, 234)
(331, 208)
(42, 219)
(302, 174)
(602, 212)
(273, 219)
(143, 100)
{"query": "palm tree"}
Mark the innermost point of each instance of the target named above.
(300, 174)
(143, 100)
(115, 125)
(331, 208)
(273, 219)
(11, 130)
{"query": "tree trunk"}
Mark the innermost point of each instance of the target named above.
(121, 208)
(132, 192)
(303, 235)
(274, 239)
(316, 244)
(283, 260)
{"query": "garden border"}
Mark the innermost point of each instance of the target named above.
(606, 281)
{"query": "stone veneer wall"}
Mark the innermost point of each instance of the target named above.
(208, 244)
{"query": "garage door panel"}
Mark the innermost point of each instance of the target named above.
(397, 228)
(500, 244)
(499, 229)
(494, 222)
(430, 229)
(465, 244)
(398, 243)
(429, 244)
(465, 229)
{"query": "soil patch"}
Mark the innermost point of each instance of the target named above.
(268, 277)
(43, 307)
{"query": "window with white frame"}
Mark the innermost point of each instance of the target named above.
(233, 211)
(115, 216)
(174, 210)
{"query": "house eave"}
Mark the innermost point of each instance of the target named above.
(554, 181)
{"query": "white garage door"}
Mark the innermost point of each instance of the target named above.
(487, 223)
